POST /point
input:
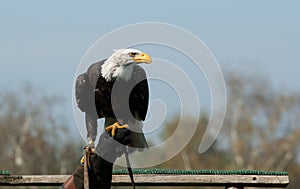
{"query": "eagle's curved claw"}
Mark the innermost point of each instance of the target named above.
(112, 128)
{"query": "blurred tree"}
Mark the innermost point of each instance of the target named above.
(262, 124)
(33, 137)
(189, 158)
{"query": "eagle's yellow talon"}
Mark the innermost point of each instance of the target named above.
(114, 127)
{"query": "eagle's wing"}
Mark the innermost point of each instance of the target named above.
(82, 92)
(85, 97)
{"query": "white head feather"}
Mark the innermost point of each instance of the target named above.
(119, 65)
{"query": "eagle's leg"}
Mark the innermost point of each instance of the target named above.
(112, 128)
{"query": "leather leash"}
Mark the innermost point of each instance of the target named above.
(129, 167)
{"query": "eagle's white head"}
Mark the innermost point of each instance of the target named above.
(121, 63)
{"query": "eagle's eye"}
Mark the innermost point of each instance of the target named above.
(132, 54)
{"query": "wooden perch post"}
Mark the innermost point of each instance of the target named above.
(228, 181)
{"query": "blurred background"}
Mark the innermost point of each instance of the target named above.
(255, 43)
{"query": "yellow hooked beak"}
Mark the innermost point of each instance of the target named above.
(142, 57)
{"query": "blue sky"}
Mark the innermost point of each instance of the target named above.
(43, 42)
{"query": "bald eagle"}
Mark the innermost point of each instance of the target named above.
(115, 89)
